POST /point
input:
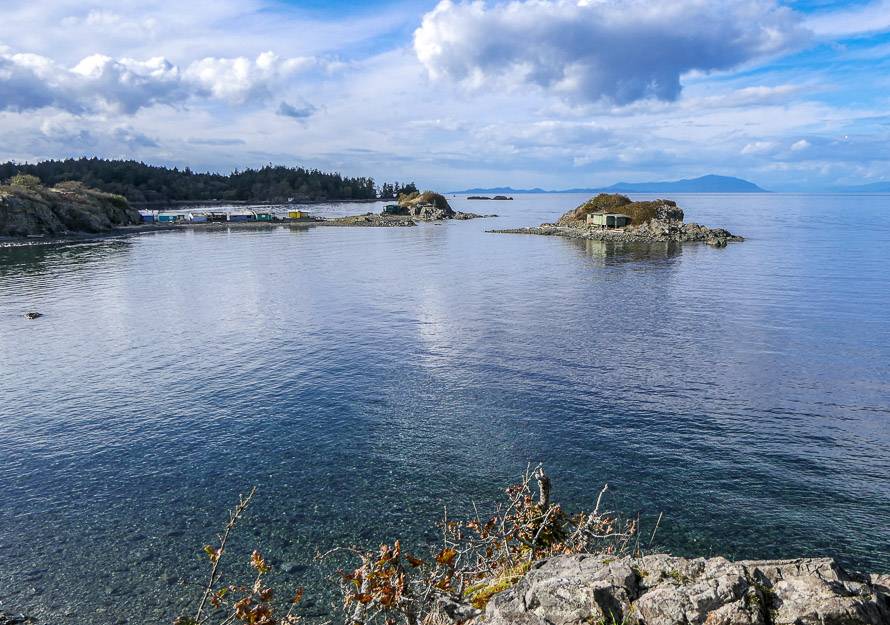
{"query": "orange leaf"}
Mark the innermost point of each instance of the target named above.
(446, 556)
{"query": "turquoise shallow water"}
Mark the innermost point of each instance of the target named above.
(362, 378)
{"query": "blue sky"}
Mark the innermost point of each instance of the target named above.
(793, 95)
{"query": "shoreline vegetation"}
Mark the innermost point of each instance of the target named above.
(528, 561)
(615, 217)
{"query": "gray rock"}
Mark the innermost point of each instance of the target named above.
(33, 315)
(665, 590)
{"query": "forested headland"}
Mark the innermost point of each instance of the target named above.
(152, 184)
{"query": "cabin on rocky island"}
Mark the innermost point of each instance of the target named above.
(608, 220)
(297, 214)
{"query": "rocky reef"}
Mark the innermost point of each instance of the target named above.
(666, 590)
(29, 209)
(650, 221)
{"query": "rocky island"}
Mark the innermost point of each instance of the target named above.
(615, 217)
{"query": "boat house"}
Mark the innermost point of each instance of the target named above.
(197, 218)
(297, 214)
(608, 220)
(147, 217)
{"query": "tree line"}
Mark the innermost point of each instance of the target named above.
(142, 183)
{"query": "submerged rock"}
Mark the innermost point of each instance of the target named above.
(666, 590)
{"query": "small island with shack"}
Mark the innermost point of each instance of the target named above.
(615, 217)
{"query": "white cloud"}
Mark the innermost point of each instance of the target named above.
(798, 146)
(871, 17)
(618, 50)
(99, 82)
(759, 147)
(241, 79)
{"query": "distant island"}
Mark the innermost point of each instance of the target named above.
(144, 185)
(704, 184)
(874, 187)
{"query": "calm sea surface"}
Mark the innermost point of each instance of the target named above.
(363, 378)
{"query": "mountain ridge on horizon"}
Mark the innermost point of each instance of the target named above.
(709, 183)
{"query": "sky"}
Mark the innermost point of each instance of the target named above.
(793, 95)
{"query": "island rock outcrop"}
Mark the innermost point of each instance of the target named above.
(649, 222)
(429, 206)
(639, 212)
(666, 590)
(27, 208)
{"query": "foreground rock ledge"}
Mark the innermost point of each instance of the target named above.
(666, 590)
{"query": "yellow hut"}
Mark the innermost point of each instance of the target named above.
(297, 214)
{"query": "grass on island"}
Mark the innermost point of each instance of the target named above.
(639, 212)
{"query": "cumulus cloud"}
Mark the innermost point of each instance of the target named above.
(588, 50)
(98, 82)
(240, 79)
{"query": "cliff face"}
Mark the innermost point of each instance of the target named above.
(30, 209)
(665, 590)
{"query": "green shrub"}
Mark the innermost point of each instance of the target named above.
(25, 181)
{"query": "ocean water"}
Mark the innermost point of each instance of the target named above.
(364, 378)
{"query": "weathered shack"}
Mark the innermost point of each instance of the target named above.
(608, 220)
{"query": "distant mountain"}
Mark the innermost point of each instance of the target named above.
(874, 187)
(501, 190)
(704, 184)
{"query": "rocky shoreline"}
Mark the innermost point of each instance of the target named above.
(666, 590)
(33, 215)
